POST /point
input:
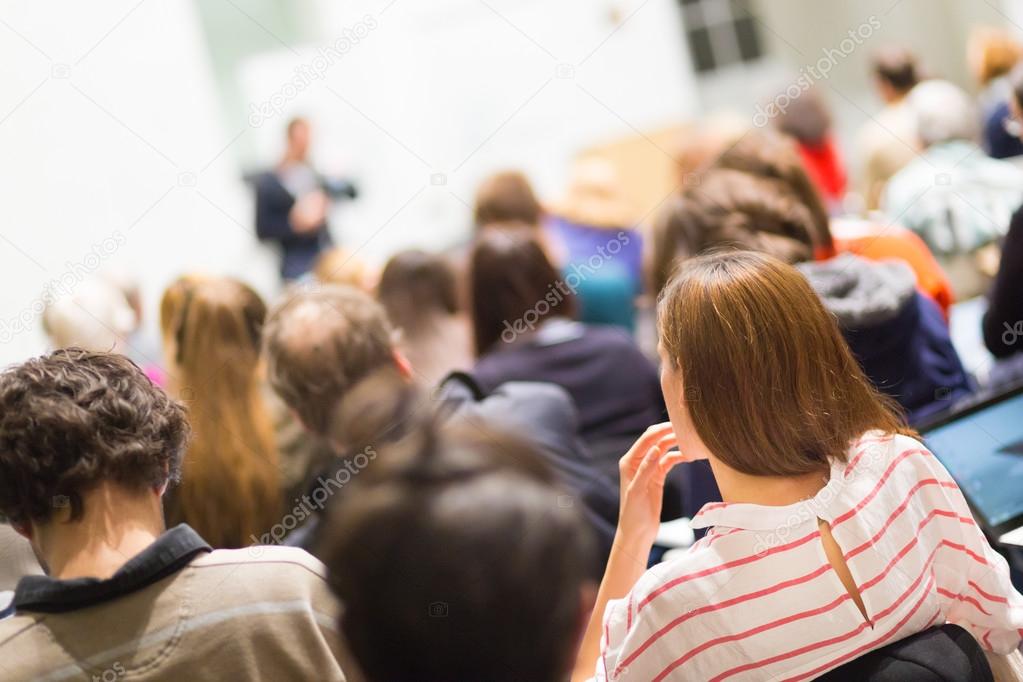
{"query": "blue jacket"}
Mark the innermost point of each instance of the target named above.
(898, 336)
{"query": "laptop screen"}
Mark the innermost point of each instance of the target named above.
(983, 450)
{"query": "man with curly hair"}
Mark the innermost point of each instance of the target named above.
(88, 445)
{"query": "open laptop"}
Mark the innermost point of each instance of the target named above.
(982, 447)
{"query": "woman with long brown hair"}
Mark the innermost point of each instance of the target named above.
(229, 491)
(838, 533)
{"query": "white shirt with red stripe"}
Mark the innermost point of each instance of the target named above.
(757, 599)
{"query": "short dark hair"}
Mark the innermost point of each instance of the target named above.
(319, 343)
(416, 284)
(896, 66)
(76, 418)
(449, 530)
(510, 276)
(729, 209)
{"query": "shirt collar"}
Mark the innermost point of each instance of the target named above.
(763, 518)
(171, 552)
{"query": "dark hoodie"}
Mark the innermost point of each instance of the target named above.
(898, 335)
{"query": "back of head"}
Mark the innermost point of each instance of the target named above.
(506, 196)
(513, 285)
(230, 484)
(341, 266)
(896, 67)
(806, 118)
(730, 209)
(992, 52)
(453, 544)
(319, 343)
(96, 316)
(74, 419)
(943, 113)
(416, 287)
(772, 155)
(777, 389)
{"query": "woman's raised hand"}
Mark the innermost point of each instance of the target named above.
(643, 470)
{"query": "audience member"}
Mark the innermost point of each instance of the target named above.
(230, 488)
(341, 266)
(500, 580)
(524, 330)
(815, 556)
(506, 196)
(87, 447)
(898, 335)
(419, 292)
(591, 231)
(1003, 322)
(953, 195)
(773, 156)
(991, 52)
(321, 343)
(808, 121)
(888, 140)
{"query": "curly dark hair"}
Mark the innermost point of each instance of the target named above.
(74, 418)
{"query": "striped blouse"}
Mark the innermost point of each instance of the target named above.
(757, 599)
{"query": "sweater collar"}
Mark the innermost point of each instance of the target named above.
(171, 552)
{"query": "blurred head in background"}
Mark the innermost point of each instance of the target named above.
(506, 196)
(944, 113)
(991, 52)
(895, 72)
(230, 489)
(510, 275)
(95, 316)
(342, 266)
(488, 502)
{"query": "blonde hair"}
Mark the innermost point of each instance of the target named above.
(230, 484)
(993, 52)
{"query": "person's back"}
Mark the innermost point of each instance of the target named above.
(89, 446)
(258, 613)
(613, 384)
(761, 577)
(838, 533)
(457, 557)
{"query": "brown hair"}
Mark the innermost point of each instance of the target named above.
(451, 500)
(513, 285)
(776, 390)
(506, 196)
(321, 342)
(73, 419)
(896, 66)
(729, 209)
(416, 285)
(771, 155)
(230, 486)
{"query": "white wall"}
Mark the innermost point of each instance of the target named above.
(109, 132)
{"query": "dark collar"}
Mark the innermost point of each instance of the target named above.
(171, 552)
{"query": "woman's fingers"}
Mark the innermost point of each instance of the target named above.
(639, 449)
